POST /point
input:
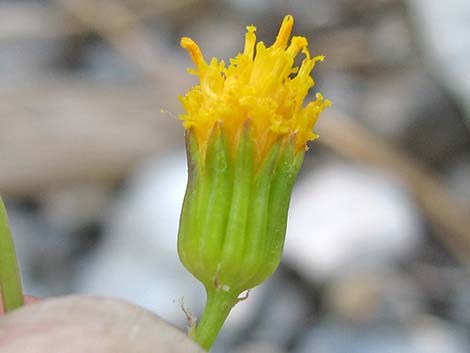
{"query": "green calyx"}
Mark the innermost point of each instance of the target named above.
(234, 218)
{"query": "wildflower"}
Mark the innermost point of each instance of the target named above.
(246, 133)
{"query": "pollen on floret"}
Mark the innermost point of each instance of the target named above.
(250, 41)
(284, 32)
(261, 84)
(193, 50)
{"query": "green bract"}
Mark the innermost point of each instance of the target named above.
(234, 218)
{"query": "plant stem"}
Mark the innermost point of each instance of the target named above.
(218, 306)
(10, 279)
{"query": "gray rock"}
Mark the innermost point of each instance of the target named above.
(259, 347)
(460, 300)
(345, 217)
(393, 103)
(428, 335)
(258, 7)
(376, 295)
(70, 208)
(347, 90)
(444, 34)
(282, 313)
(390, 40)
(43, 254)
(313, 14)
(457, 179)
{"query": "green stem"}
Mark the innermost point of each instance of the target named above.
(10, 279)
(218, 306)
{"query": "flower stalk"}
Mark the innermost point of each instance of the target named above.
(10, 278)
(246, 133)
(218, 306)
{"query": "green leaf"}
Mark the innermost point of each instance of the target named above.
(10, 279)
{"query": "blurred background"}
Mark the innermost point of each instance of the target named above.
(92, 166)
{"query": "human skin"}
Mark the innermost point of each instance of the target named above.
(28, 299)
(77, 324)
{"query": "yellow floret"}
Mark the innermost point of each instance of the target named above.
(261, 85)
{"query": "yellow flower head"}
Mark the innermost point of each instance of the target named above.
(261, 85)
(247, 128)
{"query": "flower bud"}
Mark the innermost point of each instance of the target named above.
(246, 134)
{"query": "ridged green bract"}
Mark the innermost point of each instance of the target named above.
(234, 214)
(234, 218)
